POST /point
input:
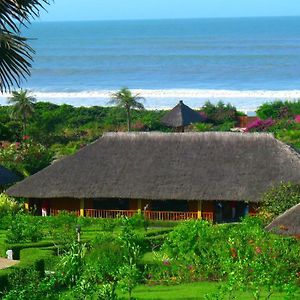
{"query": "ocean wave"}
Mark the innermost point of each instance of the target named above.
(166, 98)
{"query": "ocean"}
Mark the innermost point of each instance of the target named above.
(244, 61)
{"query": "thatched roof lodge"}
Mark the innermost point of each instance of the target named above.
(287, 223)
(195, 169)
(7, 177)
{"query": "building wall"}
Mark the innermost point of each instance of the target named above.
(64, 204)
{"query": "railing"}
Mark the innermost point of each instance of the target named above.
(151, 215)
(170, 215)
(108, 214)
(208, 216)
(55, 212)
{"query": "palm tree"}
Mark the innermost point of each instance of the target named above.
(15, 53)
(22, 106)
(126, 100)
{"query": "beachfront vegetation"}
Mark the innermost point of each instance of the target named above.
(53, 131)
(15, 53)
(123, 258)
(124, 99)
(22, 107)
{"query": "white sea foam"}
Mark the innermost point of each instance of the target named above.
(159, 99)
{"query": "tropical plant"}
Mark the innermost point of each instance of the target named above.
(280, 198)
(219, 113)
(22, 106)
(279, 109)
(260, 125)
(24, 228)
(26, 157)
(125, 99)
(15, 53)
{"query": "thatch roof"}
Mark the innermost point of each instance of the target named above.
(288, 223)
(181, 115)
(7, 177)
(182, 166)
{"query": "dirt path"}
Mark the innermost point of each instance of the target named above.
(6, 263)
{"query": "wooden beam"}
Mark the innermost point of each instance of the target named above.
(199, 214)
(81, 207)
(139, 206)
(26, 205)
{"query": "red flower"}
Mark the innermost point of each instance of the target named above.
(233, 252)
(166, 262)
(26, 137)
(257, 250)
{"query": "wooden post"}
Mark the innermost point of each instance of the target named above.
(139, 206)
(26, 205)
(81, 207)
(199, 215)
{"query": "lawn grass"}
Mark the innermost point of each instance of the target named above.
(190, 291)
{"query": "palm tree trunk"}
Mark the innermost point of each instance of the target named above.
(128, 119)
(24, 124)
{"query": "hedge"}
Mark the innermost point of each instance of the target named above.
(31, 258)
(16, 248)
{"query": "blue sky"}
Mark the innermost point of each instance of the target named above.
(67, 10)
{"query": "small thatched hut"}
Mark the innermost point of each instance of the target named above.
(7, 177)
(180, 116)
(213, 174)
(288, 223)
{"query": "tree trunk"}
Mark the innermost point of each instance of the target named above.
(24, 124)
(128, 120)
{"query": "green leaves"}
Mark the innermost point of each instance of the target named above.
(15, 53)
(126, 100)
(280, 198)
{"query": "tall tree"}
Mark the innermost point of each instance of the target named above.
(15, 53)
(126, 100)
(22, 107)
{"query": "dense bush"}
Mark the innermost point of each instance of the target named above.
(26, 157)
(245, 256)
(61, 230)
(24, 228)
(260, 125)
(219, 113)
(279, 109)
(280, 198)
(8, 209)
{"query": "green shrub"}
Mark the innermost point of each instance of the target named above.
(61, 230)
(26, 157)
(32, 261)
(44, 245)
(279, 109)
(219, 113)
(8, 209)
(25, 228)
(203, 127)
(280, 198)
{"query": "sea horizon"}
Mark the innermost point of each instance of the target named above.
(244, 61)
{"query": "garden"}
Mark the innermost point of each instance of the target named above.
(69, 257)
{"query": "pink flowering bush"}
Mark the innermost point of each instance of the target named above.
(260, 125)
(26, 157)
(297, 119)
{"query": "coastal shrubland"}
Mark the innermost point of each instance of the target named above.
(54, 131)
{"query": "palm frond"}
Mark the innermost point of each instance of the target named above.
(15, 12)
(15, 60)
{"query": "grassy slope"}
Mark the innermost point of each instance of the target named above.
(191, 291)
